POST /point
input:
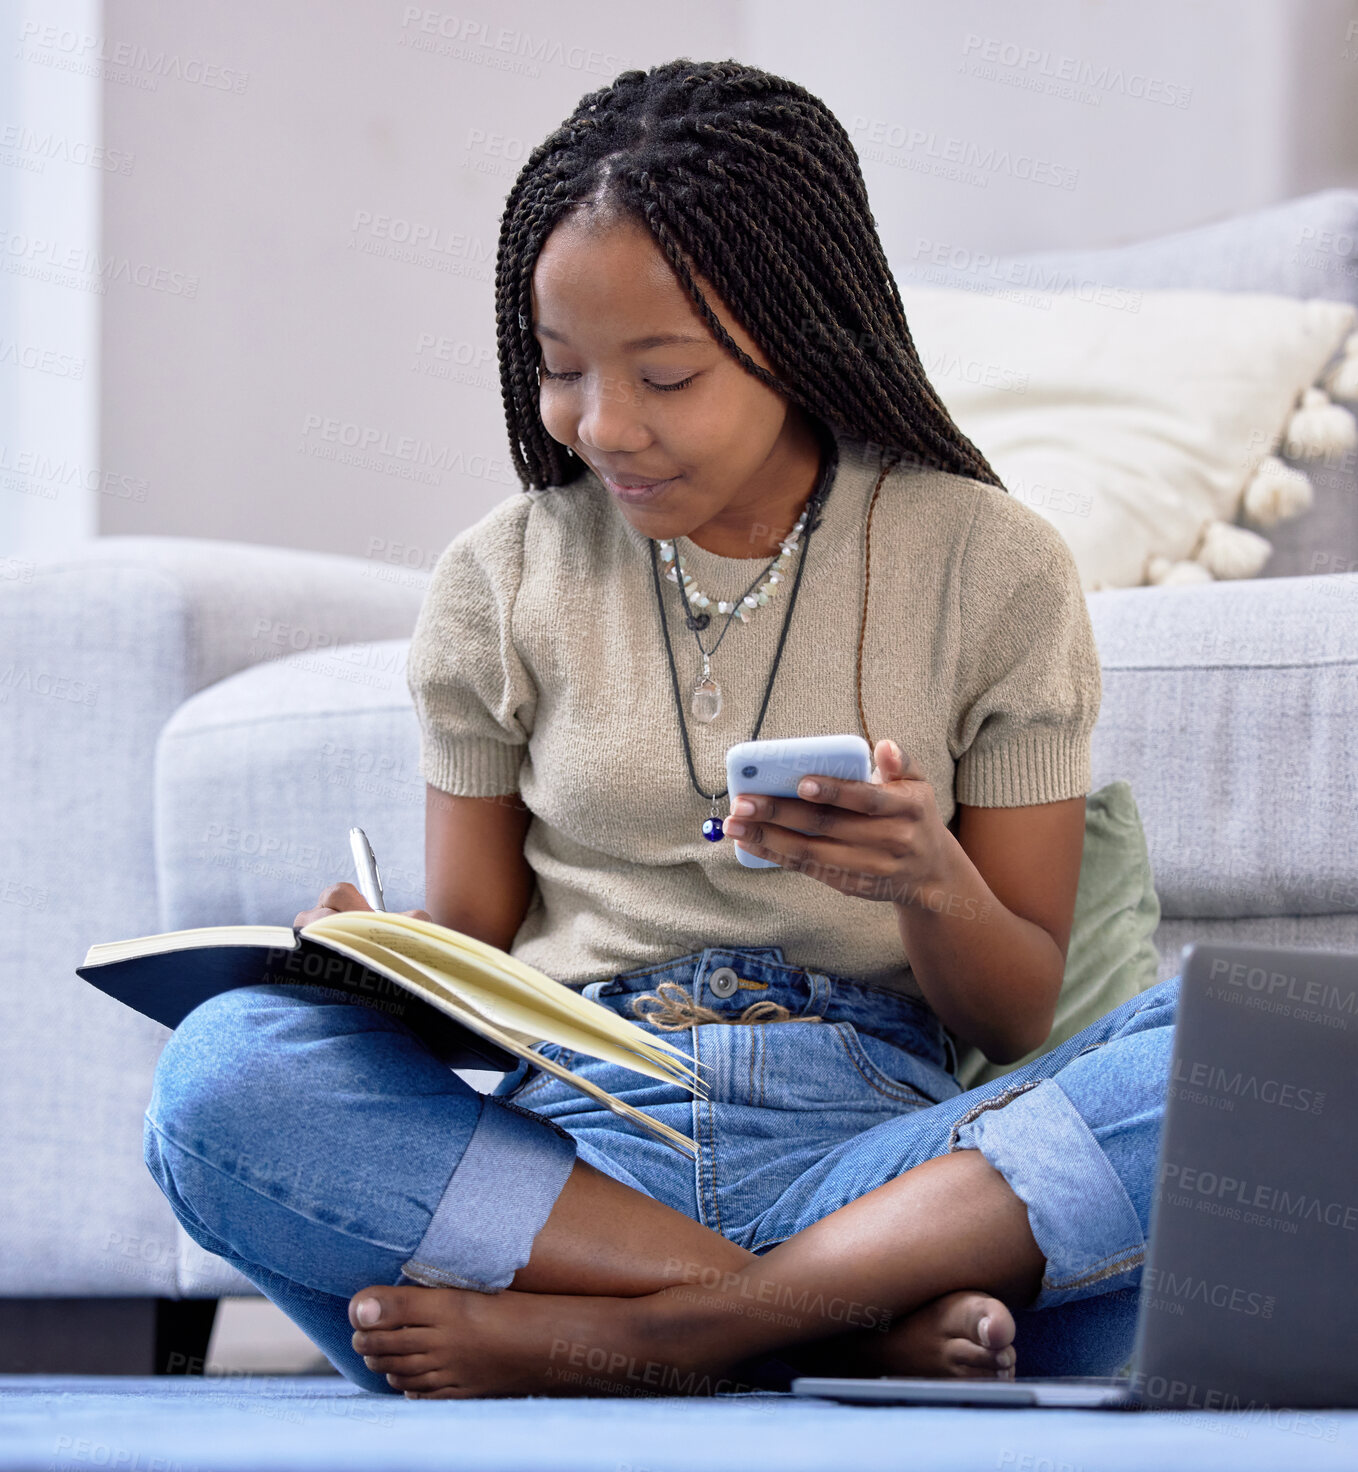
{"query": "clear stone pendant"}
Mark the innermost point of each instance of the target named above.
(705, 702)
(705, 699)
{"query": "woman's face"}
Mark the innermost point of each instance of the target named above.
(688, 443)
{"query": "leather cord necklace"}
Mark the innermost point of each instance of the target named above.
(888, 463)
(712, 826)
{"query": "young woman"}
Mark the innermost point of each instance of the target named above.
(747, 513)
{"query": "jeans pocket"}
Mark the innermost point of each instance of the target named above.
(888, 1069)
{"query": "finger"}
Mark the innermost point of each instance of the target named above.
(419, 915)
(842, 824)
(851, 870)
(343, 896)
(895, 764)
(886, 762)
(863, 797)
(858, 803)
(307, 916)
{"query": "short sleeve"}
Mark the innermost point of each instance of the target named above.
(1029, 684)
(473, 695)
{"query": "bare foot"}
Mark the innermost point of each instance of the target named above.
(448, 1343)
(967, 1336)
(452, 1343)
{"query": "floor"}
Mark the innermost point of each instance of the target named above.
(222, 1423)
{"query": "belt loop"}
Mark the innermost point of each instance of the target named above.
(819, 999)
(591, 992)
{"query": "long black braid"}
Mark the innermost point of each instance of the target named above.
(751, 183)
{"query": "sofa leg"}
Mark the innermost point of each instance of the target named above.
(105, 1336)
(183, 1329)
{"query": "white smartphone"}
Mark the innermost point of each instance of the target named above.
(774, 768)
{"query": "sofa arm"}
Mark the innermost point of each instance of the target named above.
(1232, 709)
(225, 605)
(100, 647)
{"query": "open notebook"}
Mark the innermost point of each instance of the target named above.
(474, 1005)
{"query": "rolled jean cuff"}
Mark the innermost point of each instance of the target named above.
(495, 1203)
(1081, 1216)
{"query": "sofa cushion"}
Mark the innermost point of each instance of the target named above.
(260, 778)
(1303, 247)
(1306, 247)
(1232, 709)
(1130, 427)
(1112, 955)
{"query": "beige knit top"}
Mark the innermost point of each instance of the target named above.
(538, 665)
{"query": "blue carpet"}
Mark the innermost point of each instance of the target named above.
(53, 1423)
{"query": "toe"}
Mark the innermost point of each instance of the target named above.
(980, 1318)
(995, 1327)
(387, 1307)
(970, 1361)
(424, 1381)
(394, 1341)
(401, 1364)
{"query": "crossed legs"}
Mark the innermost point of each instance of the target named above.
(320, 1148)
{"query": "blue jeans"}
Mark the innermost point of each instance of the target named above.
(318, 1146)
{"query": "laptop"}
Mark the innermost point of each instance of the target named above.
(1249, 1294)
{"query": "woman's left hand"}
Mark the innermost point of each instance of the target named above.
(880, 840)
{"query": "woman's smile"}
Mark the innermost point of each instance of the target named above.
(635, 491)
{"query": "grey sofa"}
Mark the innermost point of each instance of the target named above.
(189, 729)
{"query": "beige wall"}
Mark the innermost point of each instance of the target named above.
(278, 197)
(1134, 117)
(309, 323)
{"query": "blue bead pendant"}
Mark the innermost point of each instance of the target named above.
(712, 829)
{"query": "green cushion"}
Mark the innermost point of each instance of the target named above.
(1112, 953)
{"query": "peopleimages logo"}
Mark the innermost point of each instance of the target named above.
(1280, 985)
(122, 61)
(1179, 1288)
(1241, 1085)
(1295, 1206)
(987, 159)
(1095, 78)
(1278, 992)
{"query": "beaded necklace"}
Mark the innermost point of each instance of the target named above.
(808, 522)
(706, 695)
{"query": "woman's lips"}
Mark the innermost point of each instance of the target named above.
(636, 492)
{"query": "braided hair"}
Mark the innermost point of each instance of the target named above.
(750, 182)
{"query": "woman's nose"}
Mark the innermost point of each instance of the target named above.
(610, 416)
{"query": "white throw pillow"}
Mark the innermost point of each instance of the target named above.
(1135, 424)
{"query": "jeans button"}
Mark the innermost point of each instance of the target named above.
(723, 981)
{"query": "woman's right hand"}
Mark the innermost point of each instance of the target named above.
(343, 896)
(338, 897)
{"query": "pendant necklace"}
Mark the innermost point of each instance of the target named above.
(705, 698)
(706, 694)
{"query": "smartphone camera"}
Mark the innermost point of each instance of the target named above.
(749, 771)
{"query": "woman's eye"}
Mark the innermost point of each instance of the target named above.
(664, 388)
